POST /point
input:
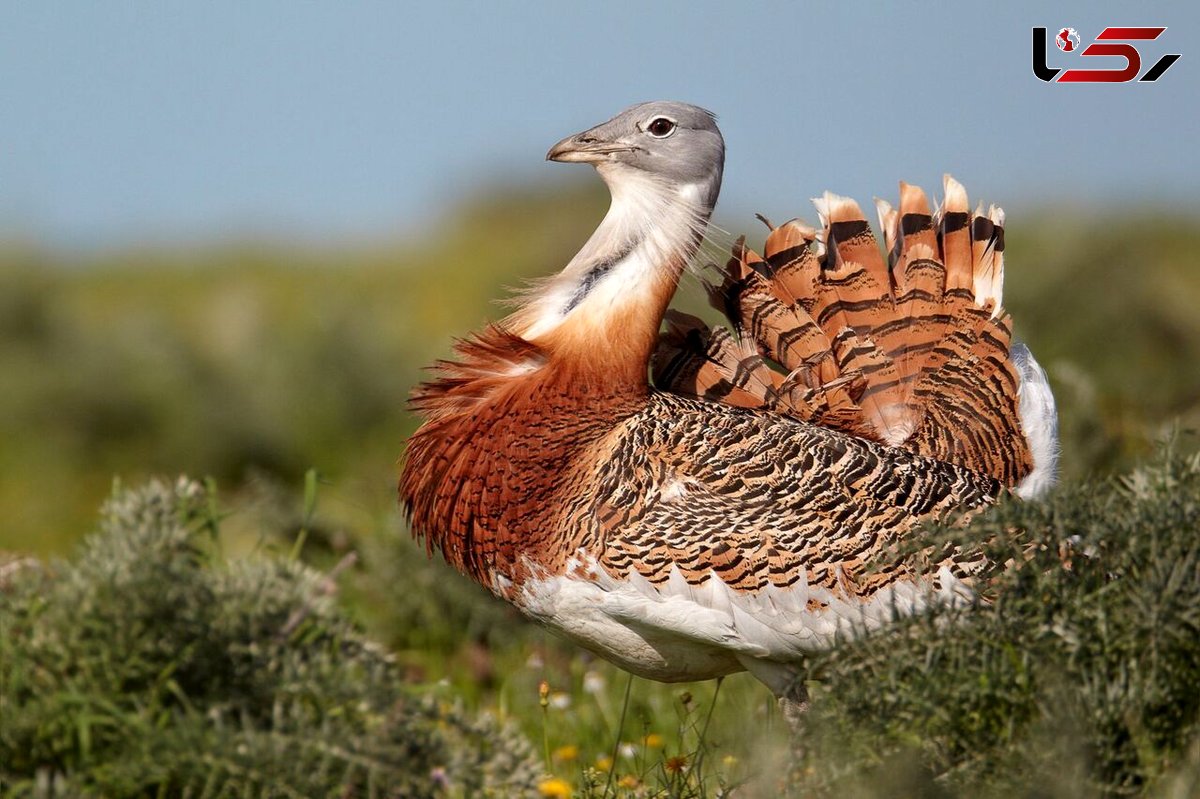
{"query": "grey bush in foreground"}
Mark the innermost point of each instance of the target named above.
(148, 667)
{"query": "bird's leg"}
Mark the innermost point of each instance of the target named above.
(792, 695)
(793, 704)
(786, 681)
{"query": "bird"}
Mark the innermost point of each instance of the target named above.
(741, 510)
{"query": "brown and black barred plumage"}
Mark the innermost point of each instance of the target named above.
(745, 510)
(912, 353)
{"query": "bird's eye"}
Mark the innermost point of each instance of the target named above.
(661, 127)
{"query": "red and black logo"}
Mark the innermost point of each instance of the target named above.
(1110, 42)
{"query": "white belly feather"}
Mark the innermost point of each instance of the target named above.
(676, 631)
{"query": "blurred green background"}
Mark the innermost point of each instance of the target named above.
(255, 363)
(242, 362)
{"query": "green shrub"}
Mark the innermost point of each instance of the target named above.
(149, 667)
(1080, 676)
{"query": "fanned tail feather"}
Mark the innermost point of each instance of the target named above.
(913, 350)
(713, 362)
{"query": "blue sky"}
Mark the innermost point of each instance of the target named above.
(121, 122)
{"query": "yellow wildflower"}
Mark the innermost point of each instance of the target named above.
(604, 763)
(653, 741)
(729, 761)
(566, 753)
(554, 788)
(628, 781)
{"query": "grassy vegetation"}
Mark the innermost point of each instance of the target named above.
(255, 364)
(1078, 678)
(148, 666)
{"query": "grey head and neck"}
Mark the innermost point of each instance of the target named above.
(662, 162)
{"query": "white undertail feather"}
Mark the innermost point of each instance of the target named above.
(1039, 421)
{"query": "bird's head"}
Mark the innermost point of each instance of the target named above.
(676, 143)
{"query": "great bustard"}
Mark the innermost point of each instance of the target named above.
(741, 511)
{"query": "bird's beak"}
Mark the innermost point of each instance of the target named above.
(585, 148)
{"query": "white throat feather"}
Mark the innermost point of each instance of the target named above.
(650, 232)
